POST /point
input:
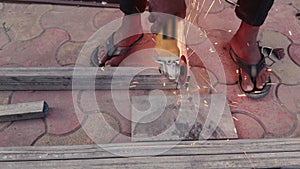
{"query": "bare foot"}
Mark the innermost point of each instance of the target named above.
(245, 46)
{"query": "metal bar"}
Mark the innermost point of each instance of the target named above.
(23, 111)
(260, 153)
(83, 78)
(102, 4)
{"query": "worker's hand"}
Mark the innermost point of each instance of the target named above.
(159, 7)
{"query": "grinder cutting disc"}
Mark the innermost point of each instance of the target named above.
(183, 71)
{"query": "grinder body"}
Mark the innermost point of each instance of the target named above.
(172, 64)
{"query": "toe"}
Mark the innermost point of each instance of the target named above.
(246, 83)
(262, 79)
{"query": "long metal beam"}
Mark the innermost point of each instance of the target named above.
(261, 153)
(90, 3)
(83, 78)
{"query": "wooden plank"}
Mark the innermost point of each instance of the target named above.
(23, 111)
(83, 78)
(181, 117)
(260, 153)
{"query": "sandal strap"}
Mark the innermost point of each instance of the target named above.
(251, 69)
(113, 50)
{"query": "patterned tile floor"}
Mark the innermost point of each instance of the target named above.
(52, 36)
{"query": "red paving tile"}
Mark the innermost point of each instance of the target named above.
(194, 59)
(38, 52)
(222, 48)
(207, 7)
(294, 51)
(62, 118)
(225, 20)
(277, 121)
(204, 80)
(22, 133)
(286, 2)
(4, 60)
(214, 54)
(247, 126)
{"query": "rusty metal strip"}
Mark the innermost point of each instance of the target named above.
(88, 3)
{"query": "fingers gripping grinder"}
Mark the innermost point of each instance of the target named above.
(172, 62)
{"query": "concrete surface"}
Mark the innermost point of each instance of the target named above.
(50, 35)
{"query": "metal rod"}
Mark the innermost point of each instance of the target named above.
(102, 4)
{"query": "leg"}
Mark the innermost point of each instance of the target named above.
(129, 7)
(244, 43)
(128, 33)
(131, 23)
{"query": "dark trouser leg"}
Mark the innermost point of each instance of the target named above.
(253, 12)
(129, 7)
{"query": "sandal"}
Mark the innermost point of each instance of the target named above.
(253, 71)
(112, 50)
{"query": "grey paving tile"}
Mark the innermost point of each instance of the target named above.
(294, 51)
(282, 19)
(159, 117)
(289, 97)
(77, 21)
(24, 19)
(68, 53)
(285, 68)
(105, 16)
(78, 137)
(101, 127)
